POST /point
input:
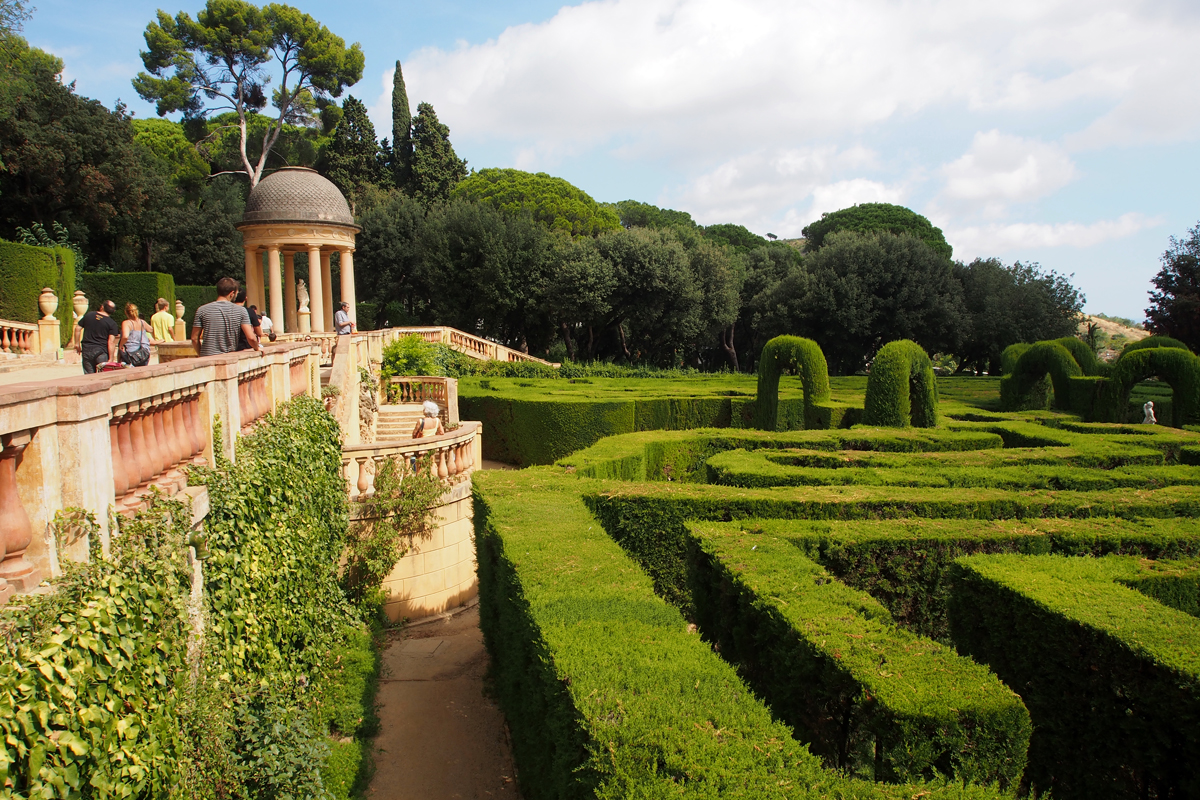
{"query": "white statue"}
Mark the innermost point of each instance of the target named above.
(302, 294)
(1148, 410)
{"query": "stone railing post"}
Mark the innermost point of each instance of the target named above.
(48, 327)
(15, 528)
(180, 332)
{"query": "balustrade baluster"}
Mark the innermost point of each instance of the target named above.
(6, 340)
(171, 444)
(129, 460)
(140, 443)
(351, 482)
(196, 426)
(16, 532)
(451, 461)
(183, 443)
(264, 389)
(366, 483)
(120, 479)
(442, 472)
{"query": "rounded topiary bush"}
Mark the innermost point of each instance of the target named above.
(1177, 367)
(794, 353)
(1011, 355)
(901, 389)
(1084, 356)
(1020, 390)
(1151, 342)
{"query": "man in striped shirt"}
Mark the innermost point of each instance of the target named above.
(217, 325)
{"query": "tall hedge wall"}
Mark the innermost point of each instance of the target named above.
(1177, 367)
(1151, 342)
(25, 271)
(784, 353)
(140, 288)
(901, 389)
(1088, 655)
(193, 297)
(1017, 390)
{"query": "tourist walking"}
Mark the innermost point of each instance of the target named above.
(135, 338)
(218, 326)
(163, 322)
(431, 424)
(341, 320)
(98, 337)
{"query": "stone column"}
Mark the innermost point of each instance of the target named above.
(327, 282)
(289, 322)
(316, 292)
(276, 288)
(253, 275)
(346, 260)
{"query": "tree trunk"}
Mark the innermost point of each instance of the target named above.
(147, 253)
(727, 346)
(624, 346)
(591, 343)
(566, 332)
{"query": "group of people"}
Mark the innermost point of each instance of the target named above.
(225, 325)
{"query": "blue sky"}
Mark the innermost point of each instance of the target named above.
(1057, 131)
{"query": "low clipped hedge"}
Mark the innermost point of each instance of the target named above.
(901, 389)
(1020, 389)
(1111, 680)
(24, 271)
(606, 692)
(870, 698)
(783, 353)
(1178, 367)
(1173, 583)
(140, 288)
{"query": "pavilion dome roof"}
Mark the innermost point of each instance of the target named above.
(297, 194)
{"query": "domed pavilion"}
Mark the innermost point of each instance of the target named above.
(296, 210)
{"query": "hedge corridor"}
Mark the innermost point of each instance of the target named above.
(1000, 604)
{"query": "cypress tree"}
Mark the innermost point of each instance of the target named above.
(436, 169)
(402, 144)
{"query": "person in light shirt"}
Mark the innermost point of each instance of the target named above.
(163, 322)
(341, 320)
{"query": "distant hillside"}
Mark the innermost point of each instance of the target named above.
(1113, 335)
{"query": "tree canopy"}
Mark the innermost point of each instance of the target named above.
(870, 217)
(551, 201)
(643, 215)
(436, 169)
(1175, 302)
(222, 58)
(353, 159)
(402, 144)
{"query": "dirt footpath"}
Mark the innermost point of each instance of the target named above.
(441, 738)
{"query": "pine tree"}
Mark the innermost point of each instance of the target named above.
(435, 167)
(402, 143)
(352, 158)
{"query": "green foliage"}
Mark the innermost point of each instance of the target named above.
(605, 692)
(1175, 302)
(1018, 390)
(93, 675)
(1153, 341)
(873, 217)
(140, 288)
(436, 169)
(180, 158)
(643, 215)
(901, 389)
(25, 271)
(221, 57)
(36, 235)
(788, 353)
(353, 159)
(1010, 356)
(735, 236)
(401, 512)
(1112, 681)
(402, 143)
(551, 201)
(409, 355)
(193, 297)
(1084, 356)
(1177, 367)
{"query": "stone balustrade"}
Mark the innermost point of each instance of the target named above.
(418, 389)
(19, 338)
(454, 456)
(100, 442)
(466, 343)
(324, 341)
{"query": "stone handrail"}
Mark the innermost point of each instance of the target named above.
(466, 343)
(455, 455)
(20, 338)
(100, 442)
(325, 341)
(417, 389)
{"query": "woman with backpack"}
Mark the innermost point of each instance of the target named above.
(135, 338)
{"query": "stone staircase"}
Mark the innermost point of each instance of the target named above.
(397, 422)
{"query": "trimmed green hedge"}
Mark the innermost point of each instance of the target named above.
(1152, 342)
(606, 692)
(790, 353)
(1179, 368)
(871, 699)
(1018, 390)
(901, 389)
(26, 270)
(1084, 356)
(1111, 679)
(140, 288)
(193, 297)
(1173, 583)
(1011, 355)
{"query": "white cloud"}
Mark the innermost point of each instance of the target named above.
(1000, 169)
(997, 239)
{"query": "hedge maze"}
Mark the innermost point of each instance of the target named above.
(1004, 604)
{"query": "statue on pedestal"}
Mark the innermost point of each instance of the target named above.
(302, 294)
(1148, 411)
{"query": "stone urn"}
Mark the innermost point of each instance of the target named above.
(180, 310)
(79, 304)
(48, 303)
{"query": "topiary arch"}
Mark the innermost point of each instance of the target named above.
(1176, 366)
(1151, 342)
(1040, 359)
(789, 352)
(1084, 356)
(901, 389)
(1011, 355)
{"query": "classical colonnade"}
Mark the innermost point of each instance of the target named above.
(285, 305)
